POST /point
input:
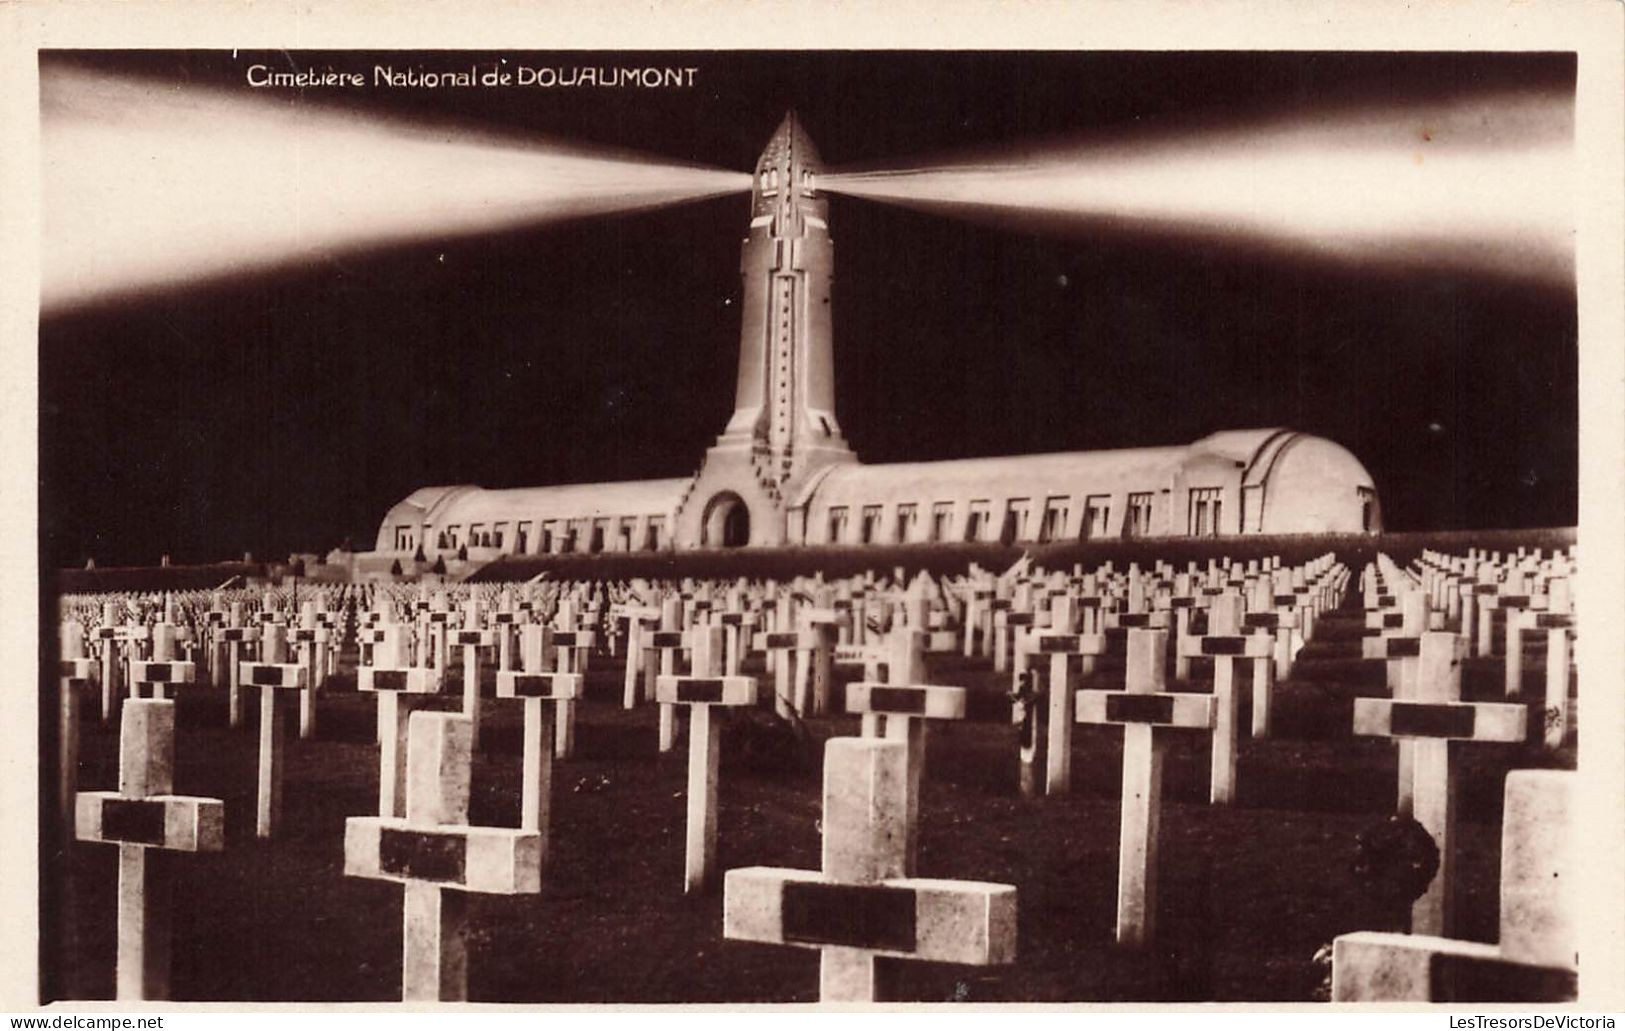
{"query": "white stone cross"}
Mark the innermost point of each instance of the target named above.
(145, 814)
(1396, 636)
(114, 637)
(784, 644)
(1008, 622)
(398, 684)
(669, 641)
(168, 636)
(311, 638)
(567, 650)
(1061, 647)
(272, 678)
(1541, 906)
(703, 694)
(813, 665)
(1434, 721)
(503, 622)
(1224, 644)
(1181, 601)
(638, 659)
(977, 620)
(899, 712)
(732, 622)
(233, 636)
(1275, 628)
(533, 687)
(861, 905)
(471, 637)
(438, 857)
(159, 673)
(1143, 707)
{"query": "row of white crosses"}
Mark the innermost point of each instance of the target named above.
(1533, 594)
(1266, 638)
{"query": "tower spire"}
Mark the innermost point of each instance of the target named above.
(785, 397)
(783, 430)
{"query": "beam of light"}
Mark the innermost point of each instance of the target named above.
(1484, 183)
(151, 185)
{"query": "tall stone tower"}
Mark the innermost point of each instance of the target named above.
(783, 427)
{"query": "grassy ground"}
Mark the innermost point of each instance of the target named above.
(1249, 892)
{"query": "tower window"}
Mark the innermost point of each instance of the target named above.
(837, 524)
(942, 520)
(1054, 524)
(871, 523)
(1097, 514)
(907, 516)
(1138, 520)
(1016, 514)
(1205, 511)
(976, 520)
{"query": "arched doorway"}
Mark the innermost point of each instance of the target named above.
(726, 523)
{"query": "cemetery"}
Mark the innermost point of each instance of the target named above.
(1280, 778)
(1181, 723)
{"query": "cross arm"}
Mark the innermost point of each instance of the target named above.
(1380, 620)
(1141, 620)
(1464, 721)
(184, 823)
(1391, 647)
(273, 674)
(928, 700)
(1162, 709)
(805, 640)
(411, 679)
(491, 860)
(1240, 646)
(551, 686)
(705, 690)
(971, 922)
(1382, 966)
(1072, 644)
(121, 633)
(1270, 621)
(166, 672)
(574, 638)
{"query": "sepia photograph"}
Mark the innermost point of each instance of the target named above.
(722, 526)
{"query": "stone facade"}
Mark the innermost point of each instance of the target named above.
(781, 473)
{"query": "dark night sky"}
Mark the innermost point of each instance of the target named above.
(289, 411)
